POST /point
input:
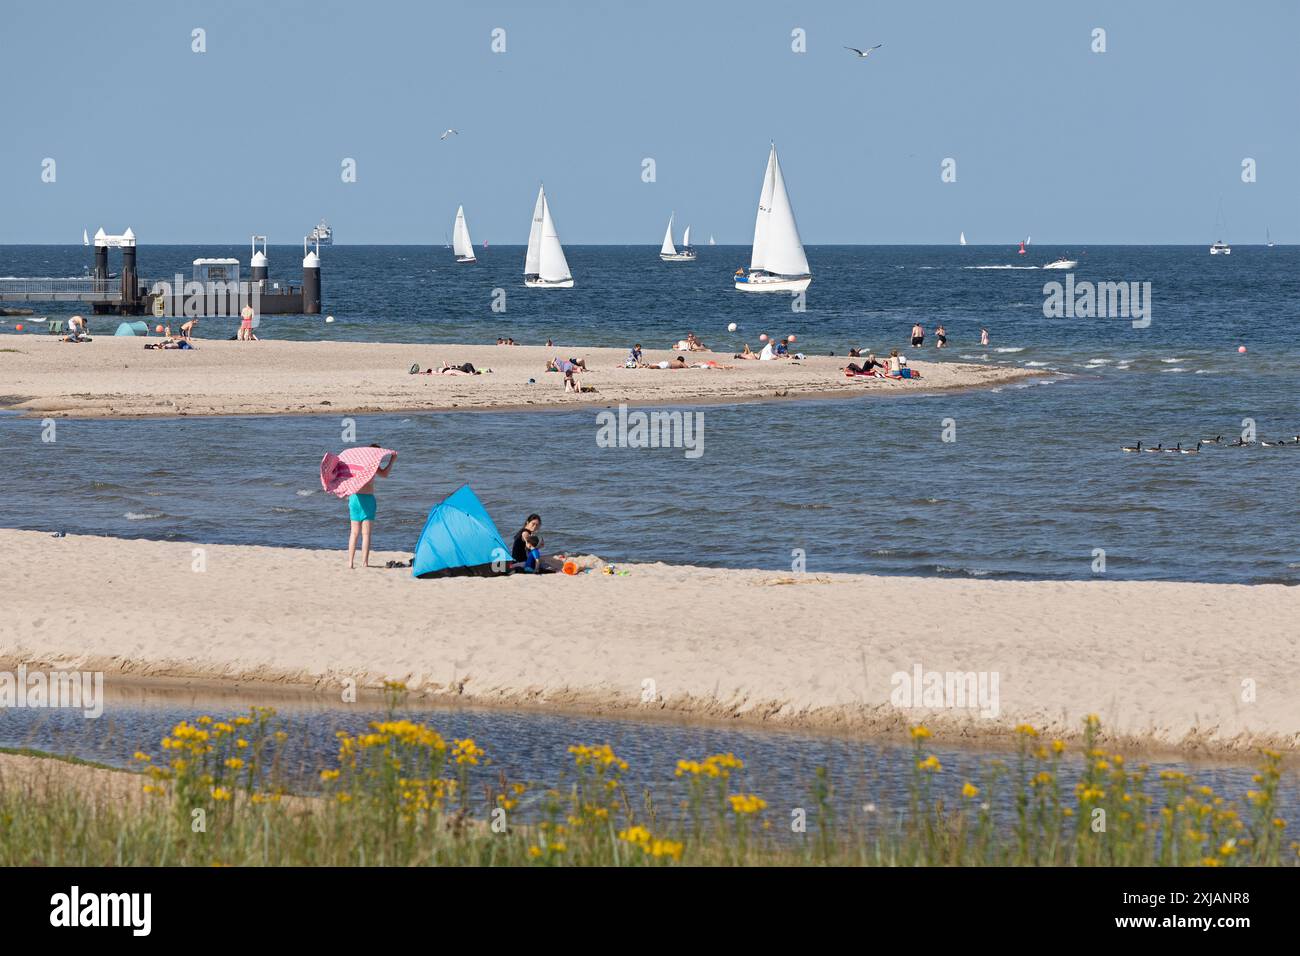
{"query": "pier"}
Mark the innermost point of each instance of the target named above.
(128, 294)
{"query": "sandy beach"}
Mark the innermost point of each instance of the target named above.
(116, 377)
(1163, 664)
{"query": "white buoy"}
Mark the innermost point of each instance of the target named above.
(731, 327)
(329, 318)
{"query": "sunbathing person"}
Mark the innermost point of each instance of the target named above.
(747, 353)
(558, 364)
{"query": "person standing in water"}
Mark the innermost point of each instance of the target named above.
(361, 511)
(984, 336)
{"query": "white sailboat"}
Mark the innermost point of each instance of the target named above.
(711, 242)
(1268, 238)
(1220, 248)
(961, 240)
(777, 262)
(460, 241)
(669, 253)
(85, 238)
(545, 266)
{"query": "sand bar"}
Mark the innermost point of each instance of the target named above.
(1161, 663)
(116, 377)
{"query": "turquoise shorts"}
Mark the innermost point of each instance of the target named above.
(361, 507)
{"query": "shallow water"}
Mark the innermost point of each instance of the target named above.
(531, 747)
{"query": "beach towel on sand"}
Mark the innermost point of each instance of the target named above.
(349, 471)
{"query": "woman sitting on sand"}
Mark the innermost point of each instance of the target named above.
(868, 366)
(526, 549)
(693, 344)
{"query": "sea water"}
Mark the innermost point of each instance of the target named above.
(1030, 484)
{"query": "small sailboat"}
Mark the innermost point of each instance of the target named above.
(669, 253)
(1268, 238)
(961, 240)
(1220, 248)
(85, 238)
(460, 241)
(545, 266)
(777, 262)
(711, 242)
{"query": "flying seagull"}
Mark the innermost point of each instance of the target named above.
(450, 132)
(863, 54)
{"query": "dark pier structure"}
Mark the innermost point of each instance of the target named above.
(214, 289)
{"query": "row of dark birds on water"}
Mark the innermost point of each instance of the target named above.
(1178, 449)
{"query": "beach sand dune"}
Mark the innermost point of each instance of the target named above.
(1197, 667)
(117, 377)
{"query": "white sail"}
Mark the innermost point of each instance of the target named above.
(686, 238)
(460, 240)
(711, 242)
(962, 239)
(533, 260)
(85, 238)
(668, 249)
(552, 266)
(782, 249)
(757, 256)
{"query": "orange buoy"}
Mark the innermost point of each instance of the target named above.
(570, 567)
(18, 327)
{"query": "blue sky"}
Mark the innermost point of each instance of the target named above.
(1134, 145)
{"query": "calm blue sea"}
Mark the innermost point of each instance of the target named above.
(1033, 485)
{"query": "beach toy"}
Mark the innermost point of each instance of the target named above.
(158, 329)
(763, 337)
(731, 327)
(789, 338)
(344, 473)
(570, 567)
(18, 327)
(1240, 348)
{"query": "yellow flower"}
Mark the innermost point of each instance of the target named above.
(234, 763)
(220, 793)
(921, 732)
(930, 764)
(969, 790)
(1027, 730)
(329, 775)
(1058, 746)
(742, 804)
(140, 755)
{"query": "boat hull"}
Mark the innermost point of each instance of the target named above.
(1220, 251)
(678, 257)
(1068, 264)
(466, 260)
(773, 284)
(548, 284)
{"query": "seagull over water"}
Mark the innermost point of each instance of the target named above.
(450, 132)
(863, 54)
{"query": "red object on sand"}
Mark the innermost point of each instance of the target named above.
(346, 473)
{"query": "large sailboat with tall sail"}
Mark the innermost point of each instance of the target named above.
(460, 242)
(670, 253)
(545, 266)
(777, 262)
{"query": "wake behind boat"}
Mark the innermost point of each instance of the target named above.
(777, 262)
(669, 253)
(460, 240)
(545, 266)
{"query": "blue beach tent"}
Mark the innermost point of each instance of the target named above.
(459, 538)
